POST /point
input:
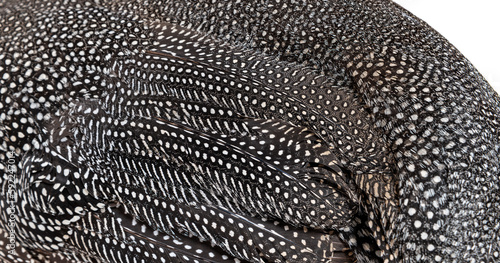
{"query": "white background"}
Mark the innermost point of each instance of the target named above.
(471, 26)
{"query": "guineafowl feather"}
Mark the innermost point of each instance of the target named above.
(242, 131)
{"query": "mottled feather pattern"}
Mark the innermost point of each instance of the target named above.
(242, 131)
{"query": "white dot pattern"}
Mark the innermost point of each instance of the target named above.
(242, 131)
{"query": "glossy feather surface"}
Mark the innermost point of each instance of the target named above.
(242, 131)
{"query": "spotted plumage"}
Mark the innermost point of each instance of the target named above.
(242, 131)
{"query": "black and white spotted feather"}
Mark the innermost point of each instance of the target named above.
(241, 131)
